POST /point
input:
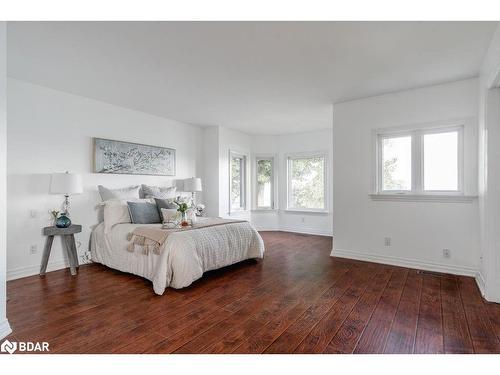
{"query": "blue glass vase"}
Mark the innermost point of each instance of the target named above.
(63, 221)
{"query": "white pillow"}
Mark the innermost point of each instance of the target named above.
(170, 215)
(116, 212)
(130, 192)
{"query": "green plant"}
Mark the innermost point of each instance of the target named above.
(182, 207)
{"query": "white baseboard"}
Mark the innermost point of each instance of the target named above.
(264, 228)
(307, 230)
(293, 229)
(5, 329)
(481, 284)
(20, 272)
(403, 262)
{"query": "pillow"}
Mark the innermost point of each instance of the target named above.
(115, 212)
(166, 203)
(169, 215)
(143, 213)
(131, 192)
(163, 204)
(158, 192)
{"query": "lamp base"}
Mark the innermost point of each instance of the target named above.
(65, 206)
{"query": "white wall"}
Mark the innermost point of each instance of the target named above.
(489, 171)
(210, 170)
(419, 230)
(51, 131)
(4, 325)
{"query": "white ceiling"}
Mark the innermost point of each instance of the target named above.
(257, 77)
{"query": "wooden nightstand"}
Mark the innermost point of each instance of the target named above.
(69, 245)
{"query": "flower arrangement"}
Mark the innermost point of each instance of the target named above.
(182, 207)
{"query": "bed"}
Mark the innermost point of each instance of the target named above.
(183, 257)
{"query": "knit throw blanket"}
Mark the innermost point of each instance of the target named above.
(151, 239)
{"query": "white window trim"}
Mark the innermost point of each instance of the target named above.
(274, 184)
(423, 198)
(233, 153)
(417, 192)
(379, 158)
(324, 155)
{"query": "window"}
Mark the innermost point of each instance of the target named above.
(307, 183)
(237, 182)
(264, 183)
(396, 163)
(425, 161)
(441, 161)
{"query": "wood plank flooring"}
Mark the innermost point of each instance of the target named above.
(297, 300)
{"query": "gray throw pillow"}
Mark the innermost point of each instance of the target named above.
(143, 213)
(165, 203)
(158, 192)
(130, 192)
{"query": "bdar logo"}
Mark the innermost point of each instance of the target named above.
(21, 346)
(9, 347)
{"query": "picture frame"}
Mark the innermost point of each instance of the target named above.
(121, 157)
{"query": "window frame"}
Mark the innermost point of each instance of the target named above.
(460, 160)
(272, 158)
(288, 158)
(243, 181)
(380, 158)
(417, 159)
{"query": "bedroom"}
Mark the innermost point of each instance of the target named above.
(276, 187)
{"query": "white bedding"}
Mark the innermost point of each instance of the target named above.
(185, 255)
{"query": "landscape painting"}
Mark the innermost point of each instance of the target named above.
(132, 158)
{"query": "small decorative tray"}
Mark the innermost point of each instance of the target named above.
(175, 226)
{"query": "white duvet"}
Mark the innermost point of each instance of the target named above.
(185, 255)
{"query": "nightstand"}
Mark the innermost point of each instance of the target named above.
(69, 245)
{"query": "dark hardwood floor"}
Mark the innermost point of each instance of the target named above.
(297, 300)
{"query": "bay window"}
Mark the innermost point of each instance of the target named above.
(237, 181)
(306, 182)
(264, 182)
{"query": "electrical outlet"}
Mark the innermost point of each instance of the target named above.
(446, 253)
(303, 219)
(33, 249)
(33, 214)
(387, 241)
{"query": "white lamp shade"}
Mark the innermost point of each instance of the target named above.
(192, 184)
(66, 183)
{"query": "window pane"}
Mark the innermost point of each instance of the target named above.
(307, 185)
(396, 163)
(237, 182)
(441, 161)
(264, 183)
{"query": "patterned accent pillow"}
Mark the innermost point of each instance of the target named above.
(169, 215)
(165, 204)
(158, 192)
